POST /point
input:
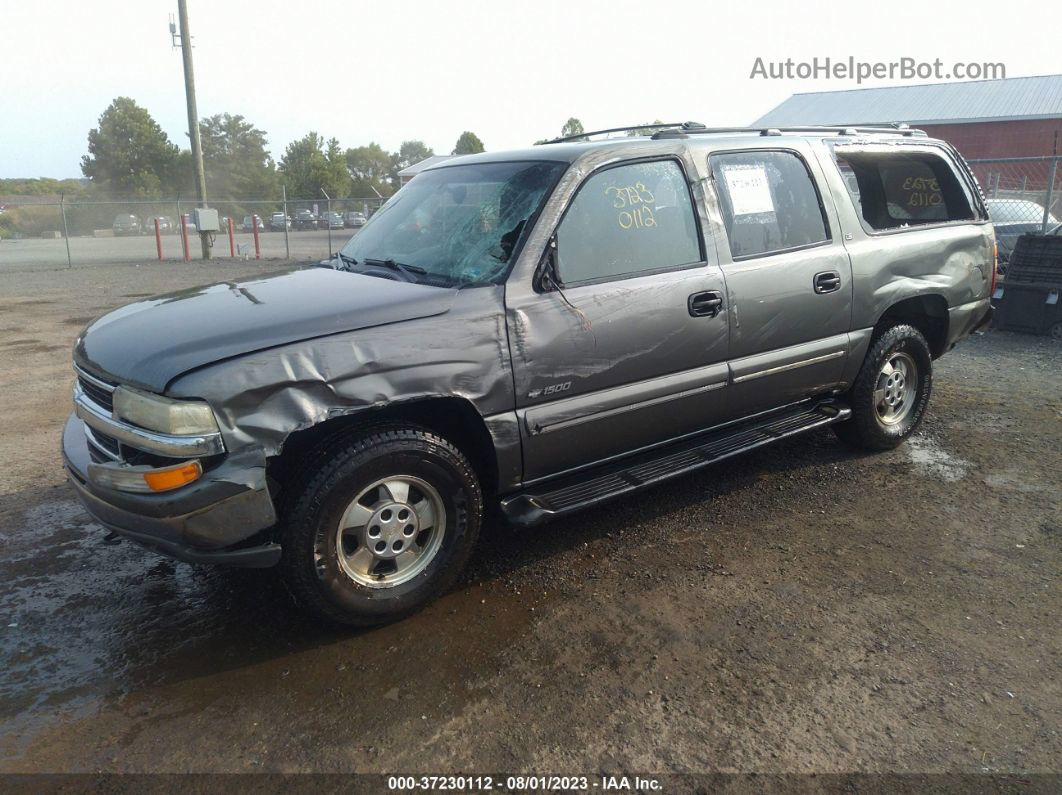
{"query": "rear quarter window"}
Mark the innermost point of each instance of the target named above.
(897, 190)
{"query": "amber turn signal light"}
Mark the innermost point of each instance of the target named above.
(174, 477)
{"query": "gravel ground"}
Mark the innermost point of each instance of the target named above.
(801, 609)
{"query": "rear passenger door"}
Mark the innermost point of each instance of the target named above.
(788, 277)
(629, 349)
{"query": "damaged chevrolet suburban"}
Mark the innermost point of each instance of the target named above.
(537, 330)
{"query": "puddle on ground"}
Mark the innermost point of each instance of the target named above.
(1012, 479)
(84, 623)
(929, 458)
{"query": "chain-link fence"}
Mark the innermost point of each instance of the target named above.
(45, 232)
(1024, 196)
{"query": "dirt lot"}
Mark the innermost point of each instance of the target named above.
(800, 609)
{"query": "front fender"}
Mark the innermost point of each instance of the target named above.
(262, 398)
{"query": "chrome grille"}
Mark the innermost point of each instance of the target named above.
(102, 443)
(97, 390)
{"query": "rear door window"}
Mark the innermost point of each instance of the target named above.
(769, 202)
(896, 190)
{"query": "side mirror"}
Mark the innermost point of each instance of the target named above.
(546, 275)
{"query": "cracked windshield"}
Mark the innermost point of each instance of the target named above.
(453, 226)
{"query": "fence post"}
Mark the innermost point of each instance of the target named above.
(232, 239)
(158, 239)
(254, 226)
(1050, 191)
(184, 238)
(66, 233)
(329, 211)
(287, 245)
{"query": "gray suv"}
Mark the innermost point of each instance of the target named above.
(538, 330)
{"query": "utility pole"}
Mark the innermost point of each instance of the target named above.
(193, 118)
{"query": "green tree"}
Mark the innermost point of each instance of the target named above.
(43, 186)
(468, 144)
(337, 178)
(310, 164)
(411, 152)
(408, 153)
(572, 127)
(370, 167)
(238, 165)
(129, 155)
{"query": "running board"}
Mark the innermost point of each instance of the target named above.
(589, 487)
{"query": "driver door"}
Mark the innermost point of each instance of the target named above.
(626, 346)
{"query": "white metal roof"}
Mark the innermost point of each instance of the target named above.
(935, 103)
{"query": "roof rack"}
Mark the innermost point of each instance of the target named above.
(687, 128)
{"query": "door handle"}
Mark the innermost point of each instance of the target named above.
(705, 304)
(827, 282)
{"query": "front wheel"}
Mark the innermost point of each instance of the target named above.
(383, 526)
(891, 392)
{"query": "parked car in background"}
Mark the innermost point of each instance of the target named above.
(249, 223)
(353, 423)
(330, 221)
(305, 219)
(278, 222)
(354, 218)
(1014, 218)
(126, 225)
(189, 223)
(165, 224)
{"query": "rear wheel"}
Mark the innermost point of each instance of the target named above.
(384, 524)
(891, 392)
(1055, 332)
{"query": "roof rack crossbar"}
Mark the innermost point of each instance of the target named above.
(693, 128)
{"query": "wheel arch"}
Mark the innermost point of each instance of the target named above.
(454, 418)
(928, 313)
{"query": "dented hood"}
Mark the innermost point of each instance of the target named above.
(151, 342)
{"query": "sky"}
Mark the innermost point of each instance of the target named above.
(512, 72)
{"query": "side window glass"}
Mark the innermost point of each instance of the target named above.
(893, 190)
(628, 220)
(769, 202)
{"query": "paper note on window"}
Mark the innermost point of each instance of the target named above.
(748, 189)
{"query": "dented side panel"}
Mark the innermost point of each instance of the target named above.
(261, 398)
(950, 261)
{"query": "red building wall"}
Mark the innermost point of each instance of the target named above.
(1026, 138)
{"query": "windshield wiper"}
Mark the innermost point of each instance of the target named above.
(411, 271)
(345, 259)
(345, 262)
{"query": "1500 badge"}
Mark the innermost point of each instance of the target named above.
(552, 389)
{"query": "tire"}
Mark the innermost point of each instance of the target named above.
(352, 575)
(888, 404)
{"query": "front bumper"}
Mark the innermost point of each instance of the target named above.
(208, 521)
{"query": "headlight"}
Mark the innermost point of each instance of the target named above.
(157, 413)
